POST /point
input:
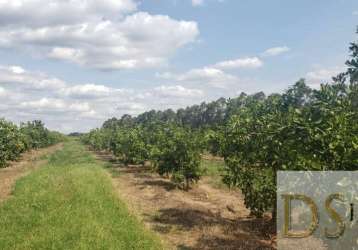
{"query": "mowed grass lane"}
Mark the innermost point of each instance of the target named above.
(70, 204)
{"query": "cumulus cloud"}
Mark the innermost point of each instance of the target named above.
(28, 95)
(16, 69)
(89, 91)
(211, 76)
(40, 13)
(322, 75)
(131, 107)
(247, 62)
(197, 2)
(52, 105)
(275, 51)
(2, 91)
(177, 91)
(13, 75)
(105, 35)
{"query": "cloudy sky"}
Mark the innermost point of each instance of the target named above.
(75, 63)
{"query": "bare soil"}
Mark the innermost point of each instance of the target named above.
(203, 218)
(28, 162)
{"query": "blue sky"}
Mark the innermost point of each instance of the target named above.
(74, 64)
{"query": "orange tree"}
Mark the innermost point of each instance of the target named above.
(177, 154)
(319, 133)
(11, 142)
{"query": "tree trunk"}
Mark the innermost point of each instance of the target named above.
(187, 185)
(274, 207)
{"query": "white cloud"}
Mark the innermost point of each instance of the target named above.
(49, 104)
(213, 75)
(68, 54)
(88, 90)
(355, 13)
(248, 62)
(10, 75)
(132, 108)
(275, 51)
(79, 107)
(139, 41)
(2, 91)
(52, 104)
(197, 2)
(177, 91)
(39, 13)
(202, 76)
(90, 114)
(97, 34)
(17, 69)
(323, 75)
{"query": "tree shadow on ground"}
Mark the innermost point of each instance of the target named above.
(207, 227)
(107, 157)
(187, 218)
(168, 186)
(241, 241)
(241, 233)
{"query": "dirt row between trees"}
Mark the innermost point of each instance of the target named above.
(203, 218)
(28, 162)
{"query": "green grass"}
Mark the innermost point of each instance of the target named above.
(70, 204)
(214, 169)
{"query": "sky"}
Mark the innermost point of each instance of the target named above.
(76, 63)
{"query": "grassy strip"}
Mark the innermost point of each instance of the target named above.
(70, 204)
(214, 169)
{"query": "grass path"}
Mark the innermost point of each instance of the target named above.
(28, 162)
(69, 203)
(205, 217)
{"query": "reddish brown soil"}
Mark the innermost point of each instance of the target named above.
(203, 218)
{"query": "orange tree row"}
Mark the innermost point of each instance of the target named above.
(301, 129)
(258, 135)
(173, 150)
(15, 140)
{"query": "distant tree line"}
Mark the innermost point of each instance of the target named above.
(205, 115)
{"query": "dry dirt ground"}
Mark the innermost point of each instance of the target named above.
(203, 218)
(28, 162)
